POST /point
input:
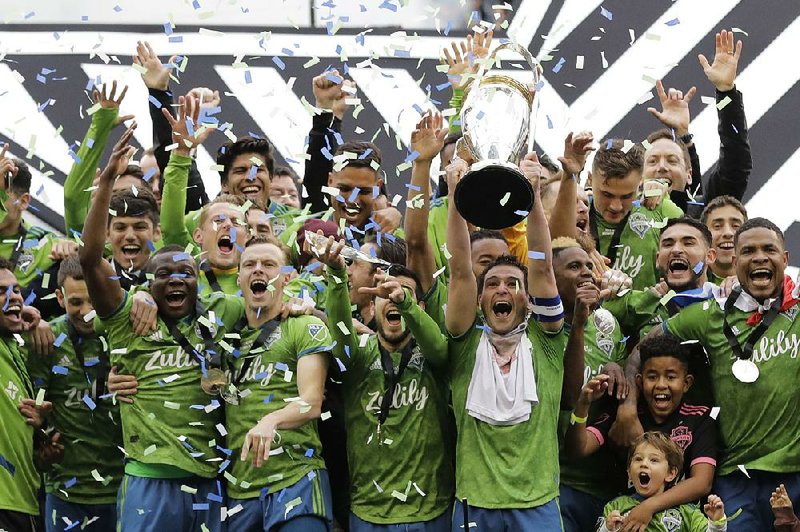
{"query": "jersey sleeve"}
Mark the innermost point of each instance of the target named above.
(425, 331)
(634, 309)
(705, 443)
(118, 329)
(690, 322)
(600, 426)
(312, 336)
(346, 350)
(173, 201)
(40, 369)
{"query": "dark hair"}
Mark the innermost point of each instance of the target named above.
(231, 150)
(173, 249)
(722, 201)
(503, 260)
(366, 154)
(564, 242)
(399, 270)
(231, 199)
(286, 170)
(613, 163)
(691, 222)
(753, 223)
(664, 345)
(140, 205)
(549, 163)
(267, 239)
(486, 234)
(669, 134)
(392, 249)
(663, 443)
(135, 171)
(6, 264)
(69, 267)
(20, 183)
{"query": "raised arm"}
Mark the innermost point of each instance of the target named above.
(337, 306)
(565, 211)
(462, 295)
(462, 65)
(104, 289)
(77, 187)
(541, 281)
(579, 442)
(732, 171)
(426, 141)
(187, 132)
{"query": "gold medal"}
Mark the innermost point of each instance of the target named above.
(214, 381)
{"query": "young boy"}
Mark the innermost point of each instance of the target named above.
(663, 380)
(654, 463)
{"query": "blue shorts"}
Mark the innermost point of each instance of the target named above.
(752, 496)
(310, 497)
(158, 505)
(438, 524)
(539, 518)
(579, 510)
(102, 516)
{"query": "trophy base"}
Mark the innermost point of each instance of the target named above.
(495, 195)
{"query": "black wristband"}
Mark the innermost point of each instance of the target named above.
(687, 138)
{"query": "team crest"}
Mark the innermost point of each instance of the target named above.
(605, 344)
(672, 520)
(639, 223)
(417, 361)
(278, 226)
(317, 331)
(682, 436)
(25, 261)
(791, 313)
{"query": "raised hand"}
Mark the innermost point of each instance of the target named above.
(674, 108)
(454, 172)
(120, 156)
(330, 91)
(387, 287)
(462, 64)
(722, 72)
(594, 389)
(587, 298)
(187, 130)
(532, 168)
(110, 101)
(331, 255)
(428, 138)
(576, 148)
(714, 508)
(156, 75)
(8, 170)
(208, 99)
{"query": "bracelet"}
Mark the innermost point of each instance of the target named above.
(573, 419)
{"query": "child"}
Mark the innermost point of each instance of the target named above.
(785, 520)
(654, 462)
(663, 380)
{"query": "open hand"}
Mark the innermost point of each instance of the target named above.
(428, 138)
(156, 75)
(722, 73)
(576, 149)
(674, 112)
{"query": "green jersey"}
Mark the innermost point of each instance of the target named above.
(637, 311)
(172, 421)
(19, 480)
(503, 457)
(684, 518)
(638, 241)
(267, 377)
(595, 474)
(32, 255)
(308, 284)
(437, 235)
(212, 280)
(86, 417)
(402, 473)
(756, 419)
(436, 302)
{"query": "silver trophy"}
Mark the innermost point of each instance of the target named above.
(349, 254)
(496, 121)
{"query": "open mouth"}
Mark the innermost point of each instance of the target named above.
(581, 224)
(502, 309)
(13, 311)
(644, 479)
(587, 282)
(678, 265)
(761, 276)
(352, 209)
(130, 251)
(727, 246)
(176, 298)
(225, 245)
(251, 190)
(259, 287)
(393, 317)
(661, 400)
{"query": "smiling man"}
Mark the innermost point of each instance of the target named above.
(170, 431)
(723, 216)
(133, 230)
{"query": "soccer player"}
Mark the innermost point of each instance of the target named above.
(279, 368)
(723, 216)
(83, 486)
(654, 464)
(133, 234)
(283, 187)
(395, 405)
(170, 431)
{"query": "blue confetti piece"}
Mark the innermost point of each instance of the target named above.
(609, 143)
(442, 86)
(360, 39)
(269, 398)
(154, 101)
(480, 115)
(176, 38)
(196, 4)
(521, 213)
(117, 8)
(447, 28)
(699, 267)
(673, 22)
(279, 63)
(60, 340)
(402, 53)
(311, 475)
(71, 482)
(213, 496)
(559, 65)
(168, 28)
(549, 122)
(31, 298)
(413, 156)
(536, 255)
(222, 467)
(248, 78)
(88, 402)
(281, 366)
(624, 340)
(90, 143)
(606, 13)
(200, 506)
(181, 256)
(341, 366)
(60, 370)
(636, 203)
(309, 453)
(354, 194)
(91, 362)
(330, 76)
(84, 18)
(388, 5)
(8, 466)
(409, 186)
(29, 15)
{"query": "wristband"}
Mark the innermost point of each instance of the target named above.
(687, 138)
(547, 309)
(573, 419)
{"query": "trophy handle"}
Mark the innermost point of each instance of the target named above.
(536, 68)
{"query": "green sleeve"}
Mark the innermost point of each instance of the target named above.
(312, 338)
(668, 209)
(456, 102)
(437, 235)
(338, 310)
(425, 331)
(689, 323)
(634, 309)
(3, 198)
(173, 201)
(694, 518)
(118, 330)
(39, 369)
(81, 176)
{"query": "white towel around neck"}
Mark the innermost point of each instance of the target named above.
(500, 399)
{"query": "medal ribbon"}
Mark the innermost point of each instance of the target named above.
(390, 379)
(746, 351)
(611, 254)
(216, 359)
(104, 364)
(266, 331)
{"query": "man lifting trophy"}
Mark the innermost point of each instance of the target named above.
(496, 122)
